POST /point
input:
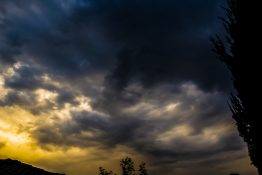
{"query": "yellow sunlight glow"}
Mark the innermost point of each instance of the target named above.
(14, 138)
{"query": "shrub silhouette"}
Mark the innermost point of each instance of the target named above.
(142, 169)
(102, 171)
(127, 166)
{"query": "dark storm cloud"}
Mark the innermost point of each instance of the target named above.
(23, 84)
(163, 43)
(16, 98)
(153, 41)
(149, 42)
(25, 77)
(28, 101)
(66, 96)
(91, 129)
(48, 34)
(146, 125)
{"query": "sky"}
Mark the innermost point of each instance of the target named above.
(85, 83)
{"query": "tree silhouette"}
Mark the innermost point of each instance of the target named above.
(127, 166)
(236, 53)
(142, 169)
(102, 171)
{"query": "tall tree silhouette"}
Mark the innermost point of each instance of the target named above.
(235, 51)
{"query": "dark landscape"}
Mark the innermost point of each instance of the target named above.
(14, 167)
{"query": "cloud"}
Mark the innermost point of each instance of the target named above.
(24, 77)
(60, 41)
(32, 88)
(153, 126)
(150, 40)
(79, 39)
(159, 46)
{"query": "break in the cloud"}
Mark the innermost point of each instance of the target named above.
(104, 79)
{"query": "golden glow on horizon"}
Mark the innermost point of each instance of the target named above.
(13, 138)
(14, 125)
(16, 142)
(18, 126)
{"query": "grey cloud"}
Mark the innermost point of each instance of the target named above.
(27, 100)
(161, 47)
(136, 128)
(62, 44)
(152, 46)
(25, 77)
(90, 129)
(16, 98)
(66, 96)
(23, 85)
(89, 37)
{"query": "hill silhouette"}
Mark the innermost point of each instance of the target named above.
(14, 167)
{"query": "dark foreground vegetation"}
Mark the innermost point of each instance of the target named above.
(127, 167)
